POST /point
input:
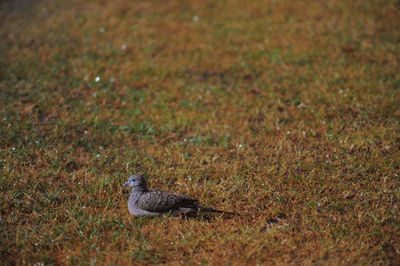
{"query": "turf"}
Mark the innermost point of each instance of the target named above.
(284, 111)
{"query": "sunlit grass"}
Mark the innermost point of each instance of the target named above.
(285, 112)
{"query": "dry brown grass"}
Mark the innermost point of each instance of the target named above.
(284, 111)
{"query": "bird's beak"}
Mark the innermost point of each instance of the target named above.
(126, 184)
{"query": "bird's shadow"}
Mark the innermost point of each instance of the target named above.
(205, 217)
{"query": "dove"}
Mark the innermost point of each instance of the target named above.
(144, 202)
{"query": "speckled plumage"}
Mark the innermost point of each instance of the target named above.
(144, 202)
(157, 201)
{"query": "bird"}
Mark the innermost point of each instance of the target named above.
(144, 202)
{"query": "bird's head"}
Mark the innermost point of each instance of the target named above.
(136, 181)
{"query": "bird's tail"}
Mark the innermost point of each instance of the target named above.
(206, 209)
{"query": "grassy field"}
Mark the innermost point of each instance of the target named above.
(284, 111)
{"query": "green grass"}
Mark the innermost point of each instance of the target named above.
(287, 112)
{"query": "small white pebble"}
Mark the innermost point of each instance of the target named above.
(97, 79)
(124, 47)
(195, 19)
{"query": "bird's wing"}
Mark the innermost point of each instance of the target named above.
(159, 201)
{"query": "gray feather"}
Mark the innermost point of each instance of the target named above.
(159, 201)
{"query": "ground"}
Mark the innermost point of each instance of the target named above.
(286, 112)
